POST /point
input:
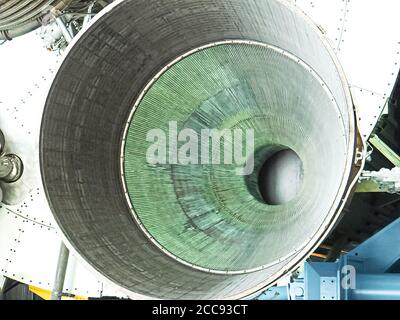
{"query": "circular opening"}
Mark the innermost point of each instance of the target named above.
(288, 106)
(277, 177)
(281, 177)
(212, 218)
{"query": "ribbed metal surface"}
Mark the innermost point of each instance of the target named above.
(92, 98)
(205, 214)
(19, 12)
(18, 17)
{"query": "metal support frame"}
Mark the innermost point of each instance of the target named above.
(369, 272)
(369, 183)
(383, 148)
(88, 17)
(66, 33)
(377, 287)
(384, 180)
(367, 186)
(60, 273)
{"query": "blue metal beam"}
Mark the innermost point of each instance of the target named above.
(376, 287)
(368, 272)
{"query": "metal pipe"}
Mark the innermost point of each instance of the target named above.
(27, 11)
(6, 167)
(30, 21)
(376, 287)
(61, 24)
(88, 17)
(6, 35)
(60, 273)
(11, 168)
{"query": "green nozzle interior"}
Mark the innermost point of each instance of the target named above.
(206, 214)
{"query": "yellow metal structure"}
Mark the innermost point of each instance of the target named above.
(46, 294)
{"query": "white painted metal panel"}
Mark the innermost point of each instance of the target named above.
(364, 35)
(29, 244)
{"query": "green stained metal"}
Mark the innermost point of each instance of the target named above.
(367, 186)
(207, 215)
(383, 148)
